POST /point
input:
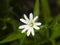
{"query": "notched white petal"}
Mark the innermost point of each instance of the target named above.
(31, 16)
(35, 18)
(26, 17)
(21, 27)
(32, 31)
(28, 32)
(23, 30)
(24, 21)
(37, 28)
(37, 24)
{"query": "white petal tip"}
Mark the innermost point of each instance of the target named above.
(28, 35)
(35, 18)
(32, 34)
(38, 28)
(19, 27)
(22, 32)
(21, 19)
(31, 14)
(40, 23)
(24, 15)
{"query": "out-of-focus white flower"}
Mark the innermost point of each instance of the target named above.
(30, 24)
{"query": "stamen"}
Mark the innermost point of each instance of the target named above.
(31, 24)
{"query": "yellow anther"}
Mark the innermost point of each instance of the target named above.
(30, 24)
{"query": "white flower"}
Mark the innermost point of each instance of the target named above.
(30, 24)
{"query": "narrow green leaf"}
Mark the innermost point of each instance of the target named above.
(36, 8)
(12, 37)
(46, 11)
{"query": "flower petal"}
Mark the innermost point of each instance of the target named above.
(37, 28)
(21, 27)
(32, 31)
(24, 21)
(26, 17)
(35, 18)
(31, 16)
(28, 32)
(24, 30)
(37, 24)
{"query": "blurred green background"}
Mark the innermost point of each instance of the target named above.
(49, 15)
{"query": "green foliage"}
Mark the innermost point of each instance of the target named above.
(58, 2)
(12, 37)
(49, 33)
(36, 9)
(56, 27)
(46, 11)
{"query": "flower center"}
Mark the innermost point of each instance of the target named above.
(31, 24)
